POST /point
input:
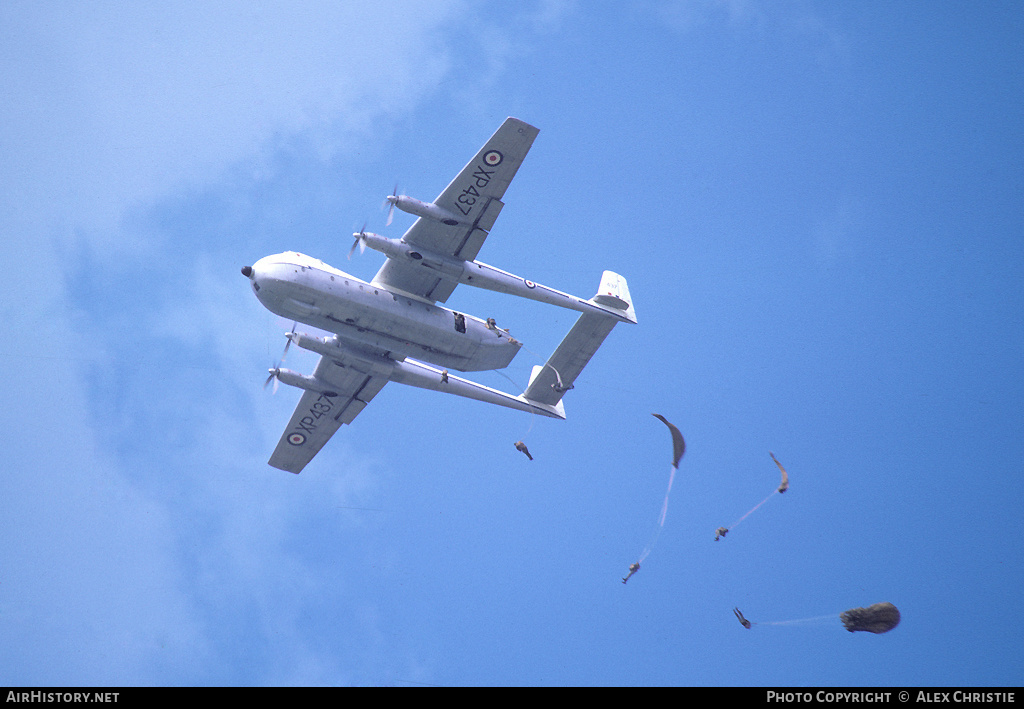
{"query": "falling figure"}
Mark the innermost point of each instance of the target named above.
(520, 446)
(785, 478)
(558, 386)
(743, 621)
(721, 532)
(633, 568)
(444, 376)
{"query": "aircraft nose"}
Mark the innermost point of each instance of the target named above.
(247, 271)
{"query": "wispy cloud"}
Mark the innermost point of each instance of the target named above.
(146, 540)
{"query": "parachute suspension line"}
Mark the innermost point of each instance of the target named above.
(783, 486)
(558, 375)
(532, 352)
(664, 505)
(678, 449)
(533, 417)
(513, 381)
(661, 517)
(533, 414)
(815, 619)
(733, 525)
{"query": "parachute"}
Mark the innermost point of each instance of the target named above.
(678, 448)
(678, 444)
(879, 618)
(785, 478)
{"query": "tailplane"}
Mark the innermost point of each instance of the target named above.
(549, 383)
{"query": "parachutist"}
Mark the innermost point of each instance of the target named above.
(493, 325)
(444, 376)
(739, 616)
(520, 446)
(558, 386)
(721, 532)
(633, 568)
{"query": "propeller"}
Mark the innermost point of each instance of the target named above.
(360, 242)
(391, 199)
(289, 335)
(274, 371)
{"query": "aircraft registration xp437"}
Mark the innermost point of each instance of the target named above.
(392, 328)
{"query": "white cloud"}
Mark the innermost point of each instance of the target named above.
(125, 562)
(107, 105)
(147, 541)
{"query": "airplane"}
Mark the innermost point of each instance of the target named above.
(392, 328)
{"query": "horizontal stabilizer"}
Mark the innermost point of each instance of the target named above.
(425, 376)
(550, 382)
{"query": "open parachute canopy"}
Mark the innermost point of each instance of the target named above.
(879, 618)
(678, 444)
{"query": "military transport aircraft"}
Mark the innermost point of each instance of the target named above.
(381, 326)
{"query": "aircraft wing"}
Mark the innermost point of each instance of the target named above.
(474, 197)
(319, 414)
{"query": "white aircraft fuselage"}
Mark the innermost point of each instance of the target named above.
(393, 329)
(368, 316)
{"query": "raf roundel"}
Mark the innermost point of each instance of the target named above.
(492, 158)
(296, 439)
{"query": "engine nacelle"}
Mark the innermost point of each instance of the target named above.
(294, 379)
(400, 250)
(424, 209)
(330, 347)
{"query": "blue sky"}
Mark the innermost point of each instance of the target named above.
(818, 209)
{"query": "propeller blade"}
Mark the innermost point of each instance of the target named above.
(274, 371)
(289, 336)
(360, 242)
(392, 200)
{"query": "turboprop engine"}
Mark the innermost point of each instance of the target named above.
(399, 249)
(287, 376)
(420, 209)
